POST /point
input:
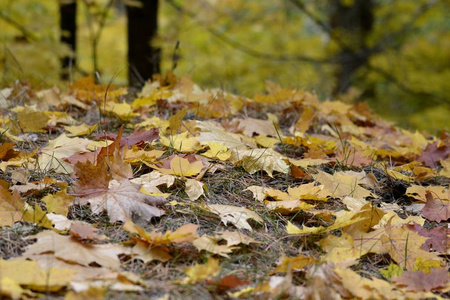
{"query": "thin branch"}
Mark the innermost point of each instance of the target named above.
(29, 35)
(389, 39)
(387, 75)
(244, 48)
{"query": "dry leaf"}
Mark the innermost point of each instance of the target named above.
(238, 216)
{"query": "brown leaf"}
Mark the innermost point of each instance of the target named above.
(436, 209)
(228, 282)
(419, 281)
(85, 231)
(437, 237)
(433, 153)
(70, 249)
(122, 200)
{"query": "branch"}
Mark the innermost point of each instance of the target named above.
(404, 30)
(29, 35)
(387, 75)
(244, 48)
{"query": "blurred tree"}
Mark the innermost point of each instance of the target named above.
(351, 24)
(143, 58)
(68, 31)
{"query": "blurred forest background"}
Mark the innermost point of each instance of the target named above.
(394, 54)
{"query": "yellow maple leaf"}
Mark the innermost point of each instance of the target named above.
(210, 244)
(58, 203)
(217, 151)
(236, 215)
(123, 110)
(28, 274)
(342, 184)
(181, 142)
(180, 166)
(295, 263)
(255, 160)
(198, 272)
(80, 130)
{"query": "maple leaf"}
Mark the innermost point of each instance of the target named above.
(236, 215)
(10, 213)
(58, 203)
(182, 142)
(419, 192)
(404, 246)
(194, 189)
(30, 275)
(436, 209)
(437, 237)
(51, 157)
(343, 184)
(80, 130)
(235, 238)
(211, 133)
(420, 281)
(181, 166)
(112, 191)
(433, 153)
(228, 282)
(210, 244)
(198, 272)
(250, 126)
(85, 231)
(255, 160)
(71, 250)
(137, 137)
(122, 200)
(296, 263)
(185, 234)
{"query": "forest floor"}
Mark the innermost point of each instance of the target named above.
(182, 192)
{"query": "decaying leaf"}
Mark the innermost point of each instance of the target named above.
(235, 215)
(69, 249)
(419, 281)
(122, 200)
(198, 272)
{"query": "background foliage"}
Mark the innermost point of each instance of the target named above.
(238, 45)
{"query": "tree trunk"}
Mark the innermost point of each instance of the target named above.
(68, 31)
(143, 58)
(351, 25)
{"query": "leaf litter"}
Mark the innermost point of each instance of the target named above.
(204, 202)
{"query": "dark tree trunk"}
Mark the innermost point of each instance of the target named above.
(143, 59)
(351, 25)
(68, 31)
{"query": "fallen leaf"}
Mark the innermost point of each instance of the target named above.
(58, 203)
(52, 156)
(198, 272)
(433, 153)
(342, 184)
(28, 274)
(185, 234)
(238, 216)
(235, 238)
(72, 250)
(437, 237)
(419, 281)
(211, 245)
(180, 166)
(123, 199)
(85, 231)
(436, 209)
(296, 263)
(228, 282)
(255, 160)
(194, 189)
